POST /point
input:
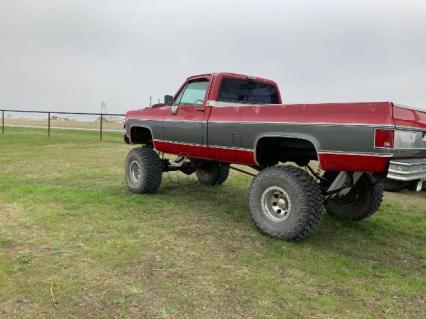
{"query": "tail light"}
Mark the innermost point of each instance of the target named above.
(384, 138)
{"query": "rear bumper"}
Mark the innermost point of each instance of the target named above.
(407, 169)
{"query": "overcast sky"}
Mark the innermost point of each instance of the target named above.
(71, 55)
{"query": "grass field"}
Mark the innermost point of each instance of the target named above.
(74, 243)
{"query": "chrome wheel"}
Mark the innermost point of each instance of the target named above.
(276, 204)
(135, 171)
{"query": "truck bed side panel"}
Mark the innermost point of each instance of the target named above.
(343, 134)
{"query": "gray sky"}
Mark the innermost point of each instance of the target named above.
(71, 55)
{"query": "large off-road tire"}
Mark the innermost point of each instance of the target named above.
(213, 173)
(143, 170)
(363, 200)
(285, 203)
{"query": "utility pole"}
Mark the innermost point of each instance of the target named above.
(101, 119)
(103, 107)
(150, 101)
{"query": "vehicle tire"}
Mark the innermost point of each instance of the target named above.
(285, 203)
(361, 202)
(143, 170)
(390, 185)
(213, 173)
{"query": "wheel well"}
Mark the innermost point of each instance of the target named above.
(141, 135)
(271, 150)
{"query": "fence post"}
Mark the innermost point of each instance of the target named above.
(2, 121)
(48, 124)
(100, 128)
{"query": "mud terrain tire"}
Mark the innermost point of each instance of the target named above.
(213, 173)
(360, 203)
(143, 170)
(285, 203)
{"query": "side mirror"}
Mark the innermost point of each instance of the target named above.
(169, 100)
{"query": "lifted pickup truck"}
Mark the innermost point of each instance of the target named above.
(219, 119)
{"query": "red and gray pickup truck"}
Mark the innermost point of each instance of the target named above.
(215, 120)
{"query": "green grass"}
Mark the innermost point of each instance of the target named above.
(74, 243)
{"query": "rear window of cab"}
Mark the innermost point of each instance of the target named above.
(247, 91)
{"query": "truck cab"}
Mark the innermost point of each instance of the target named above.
(203, 106)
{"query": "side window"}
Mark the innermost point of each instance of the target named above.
(194, 93)
(240, 91)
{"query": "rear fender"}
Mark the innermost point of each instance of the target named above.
(304, 137)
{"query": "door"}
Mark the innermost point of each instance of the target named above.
(186, 127)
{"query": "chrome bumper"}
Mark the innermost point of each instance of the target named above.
(407, 170)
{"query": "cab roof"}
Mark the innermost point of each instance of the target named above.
(232, 75)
